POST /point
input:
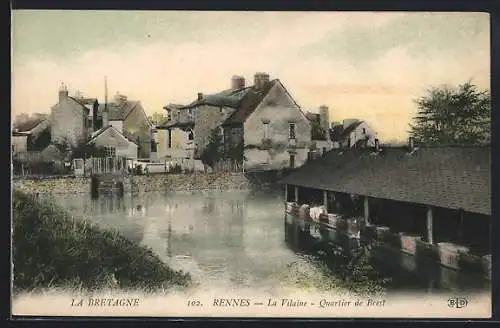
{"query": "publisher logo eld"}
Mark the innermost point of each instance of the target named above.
(457, 302)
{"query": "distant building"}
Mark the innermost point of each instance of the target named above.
(76, 122)
(353, 133)
(129, 118)
(320, 130)
(32, 134)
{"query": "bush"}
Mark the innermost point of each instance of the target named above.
(352, 266)
(175, 169)
(50, 249)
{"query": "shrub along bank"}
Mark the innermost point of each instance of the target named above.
(52, 250)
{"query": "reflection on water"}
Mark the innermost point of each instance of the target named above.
(223, 239)
(406, 272)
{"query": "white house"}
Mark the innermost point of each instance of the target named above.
(114, 143)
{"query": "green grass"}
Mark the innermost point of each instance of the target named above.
(52, 250)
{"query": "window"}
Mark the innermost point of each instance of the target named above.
(364, 131)
(191, 135)
(169, 137)
(110, 151)
(266, 130)
(190, 113)
(292, 161)
(221, 131)
(291, 131)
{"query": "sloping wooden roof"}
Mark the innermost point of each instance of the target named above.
(451, 177)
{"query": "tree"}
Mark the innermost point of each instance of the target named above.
(448, 115)
(213, 152)
(157, 118)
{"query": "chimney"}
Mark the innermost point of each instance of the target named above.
(410, 144)
(95, 108)
(260, 80)
(237, 82)
(200, 96)
(63, 92)
(324, 118)
(377, 145)
(119, 99)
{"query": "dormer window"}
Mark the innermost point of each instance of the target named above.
(364, 130)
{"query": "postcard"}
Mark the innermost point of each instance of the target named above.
(251, 164)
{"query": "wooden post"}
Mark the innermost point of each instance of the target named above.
(430, 226)
(325, 199)
(366, 210)
(297, 194)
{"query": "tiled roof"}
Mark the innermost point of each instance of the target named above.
(171, 124)
(173, 106)
(97, 133)
(226, 98)
(449, 177)
(28, 125)
(250, 100)
(81, 102)
(118, 112)
(244, 100)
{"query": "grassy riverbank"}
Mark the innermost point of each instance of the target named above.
(51, 250)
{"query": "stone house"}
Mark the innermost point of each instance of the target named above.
(175, 137)
(352, 133)
(263, 119)
(69, 121)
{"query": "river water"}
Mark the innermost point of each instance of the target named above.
(236, 241)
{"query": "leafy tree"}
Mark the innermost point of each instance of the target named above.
(214, 150)
(157, 118)
(86, 151)
(236, 153)
(448, 115)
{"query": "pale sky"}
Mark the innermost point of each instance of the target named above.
(362, 65)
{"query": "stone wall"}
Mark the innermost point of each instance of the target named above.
(66, 185)
(188, 182)
(143, 183)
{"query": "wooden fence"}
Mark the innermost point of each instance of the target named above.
(100, 165)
